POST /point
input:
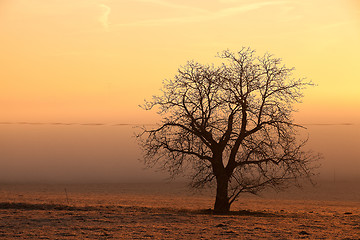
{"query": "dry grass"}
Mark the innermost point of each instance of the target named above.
(45, 214)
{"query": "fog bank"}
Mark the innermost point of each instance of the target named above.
(109, 153)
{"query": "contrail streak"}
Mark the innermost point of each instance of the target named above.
(104, 17)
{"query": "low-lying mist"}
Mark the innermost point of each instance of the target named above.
(96, 153)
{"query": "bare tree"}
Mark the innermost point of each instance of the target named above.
(231, 124)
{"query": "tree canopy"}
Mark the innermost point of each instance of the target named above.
(230, 124)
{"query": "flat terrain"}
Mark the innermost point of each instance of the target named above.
(148, 212)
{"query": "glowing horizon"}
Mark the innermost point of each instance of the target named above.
(73, 70)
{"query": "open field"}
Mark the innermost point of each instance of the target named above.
(145, 211)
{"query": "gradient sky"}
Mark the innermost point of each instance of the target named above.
(93, 60)
(87, 61)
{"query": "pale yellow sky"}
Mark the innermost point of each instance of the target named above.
(95, 61)
(86, 61)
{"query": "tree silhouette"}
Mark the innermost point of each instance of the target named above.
(231, 124)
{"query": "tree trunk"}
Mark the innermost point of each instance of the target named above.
(222, 205)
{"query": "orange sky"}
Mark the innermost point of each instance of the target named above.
(96, 60)
(89, 61)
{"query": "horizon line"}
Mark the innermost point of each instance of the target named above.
(138, 124)
(74, 123)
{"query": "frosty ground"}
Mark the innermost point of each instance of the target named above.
(169, 212)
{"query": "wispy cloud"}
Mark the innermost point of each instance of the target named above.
(104, 17)
(170, 5)
(335, 25)
(204, 16)
(249, 7)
